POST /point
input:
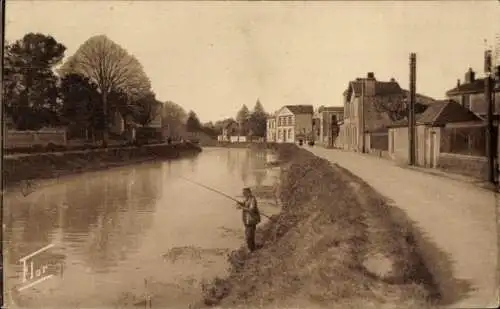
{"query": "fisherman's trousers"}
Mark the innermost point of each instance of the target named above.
(250, 236)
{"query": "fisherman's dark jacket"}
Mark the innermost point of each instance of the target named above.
(251, 213)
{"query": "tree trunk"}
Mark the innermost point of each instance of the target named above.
(105, 135)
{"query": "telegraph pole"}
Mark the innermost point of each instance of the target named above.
(488, 94)
(411, 110)
(363, 125)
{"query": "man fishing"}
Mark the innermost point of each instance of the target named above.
(251, 217)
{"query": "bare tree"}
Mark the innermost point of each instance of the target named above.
(393, 106)
(111, 68)
(396, 106)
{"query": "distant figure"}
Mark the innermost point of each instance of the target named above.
(169, 140)
(251, 217)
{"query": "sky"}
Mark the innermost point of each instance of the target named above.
(213, 57)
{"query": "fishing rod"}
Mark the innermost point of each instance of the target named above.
(219, 192)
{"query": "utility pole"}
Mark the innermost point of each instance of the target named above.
(363, 124)
(411, 110)
(490, 135)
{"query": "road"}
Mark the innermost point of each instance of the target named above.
(457, 221)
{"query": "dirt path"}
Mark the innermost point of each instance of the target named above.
(456, 219)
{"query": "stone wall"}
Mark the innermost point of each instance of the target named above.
(466, 165)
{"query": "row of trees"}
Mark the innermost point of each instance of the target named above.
(84, 92)
(250, 122)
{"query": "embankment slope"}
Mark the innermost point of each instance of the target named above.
(22, 167)
(335, 244)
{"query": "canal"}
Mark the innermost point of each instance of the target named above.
(123, 234)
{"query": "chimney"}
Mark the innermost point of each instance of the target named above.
(369, 84)
(393, 80)
(458, 82)
(470, 76)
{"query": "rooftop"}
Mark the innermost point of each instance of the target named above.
(441, 113)
(300, 109)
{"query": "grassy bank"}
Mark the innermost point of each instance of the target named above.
(335, 244)
(22, 167)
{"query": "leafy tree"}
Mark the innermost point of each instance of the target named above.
(30, 85)
(243, 118)
(110, 68)
(210, 129)
(258, 120)
(220, 124)
(174, 118)
(193, 123)
(146, 109)
(79, 97)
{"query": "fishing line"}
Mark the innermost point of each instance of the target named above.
(217, 191)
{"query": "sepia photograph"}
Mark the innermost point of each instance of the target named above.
(250, 154)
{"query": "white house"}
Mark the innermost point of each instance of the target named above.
(291, 124)
(271, 129)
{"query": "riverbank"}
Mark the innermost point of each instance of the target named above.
(22, 167)
(335, 243)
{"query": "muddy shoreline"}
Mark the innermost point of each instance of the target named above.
(31, 167)
(336, 242)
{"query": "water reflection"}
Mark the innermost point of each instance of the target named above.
(113, 227)
(96, 220)
(252, 165)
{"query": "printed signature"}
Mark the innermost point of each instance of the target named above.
(40, 266)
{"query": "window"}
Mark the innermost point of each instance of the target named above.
(289, 133)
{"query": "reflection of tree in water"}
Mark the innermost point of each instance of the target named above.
(245, 166)
(231, 160)
(259, 176)
(193, 163)
(128, 208)
(29, 224)
(258, 165)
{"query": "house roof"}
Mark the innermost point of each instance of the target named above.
(474, 87)
(449, 112)
(381, 88)
(300, 109)
(441, 113)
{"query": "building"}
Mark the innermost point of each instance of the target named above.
(326, 123)
(271, 129)
(447, 136)
(470, 94)
(231, 128)
(384, 103)
(291, 124)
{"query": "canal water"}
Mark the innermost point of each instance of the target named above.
(131, 234)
